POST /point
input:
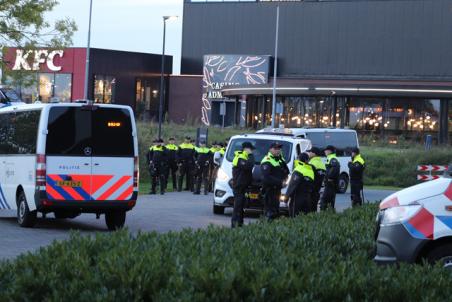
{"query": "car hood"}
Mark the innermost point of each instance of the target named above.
(418, 193)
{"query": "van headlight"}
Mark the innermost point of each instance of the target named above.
(221, 175)
(399, 214)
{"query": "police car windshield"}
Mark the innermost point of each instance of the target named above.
(262, 147)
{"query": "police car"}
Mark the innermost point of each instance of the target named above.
(416, 223)
(291, 147)
(342, 139)
(68, 159)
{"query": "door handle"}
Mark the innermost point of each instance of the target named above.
(86, 164)
(96, 164)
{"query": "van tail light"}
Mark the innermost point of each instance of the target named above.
(136, 173)
(41, 170)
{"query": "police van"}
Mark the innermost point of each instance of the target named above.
(223, 196)
(68, 159)
(343, 139)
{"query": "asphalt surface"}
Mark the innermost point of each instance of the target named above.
(160, 213)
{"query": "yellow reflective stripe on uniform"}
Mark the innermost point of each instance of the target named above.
(330, 157)
(202, 150)
(156, 148)
(270, 159)
(222, 151)
(171, 147)
(239, 155)
(358, 159)
(186, 146)
(317, 162)
(296, 163)
(305, 170)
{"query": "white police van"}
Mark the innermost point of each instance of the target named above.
(342, 139)
(291, 147)
(68, 159)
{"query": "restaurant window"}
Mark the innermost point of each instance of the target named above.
(45, 87)
(104, 89)
(62, 87)
(366, 114)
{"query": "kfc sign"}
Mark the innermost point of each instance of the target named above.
(32, 59)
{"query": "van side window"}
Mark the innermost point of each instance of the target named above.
(18, 132)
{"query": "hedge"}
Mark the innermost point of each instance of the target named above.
(319, 257)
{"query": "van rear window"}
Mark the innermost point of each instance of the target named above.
(104, 132)
(343, 141)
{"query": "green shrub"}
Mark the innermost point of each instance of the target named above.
(320, 257)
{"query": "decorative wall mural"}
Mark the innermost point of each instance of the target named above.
(228, 70)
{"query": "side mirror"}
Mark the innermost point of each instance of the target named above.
(217, 158)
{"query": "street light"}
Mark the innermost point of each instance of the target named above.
(85, 91)
(165, 18)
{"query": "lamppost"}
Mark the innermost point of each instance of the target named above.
(165, 18)
(85, 91)
(275, 69)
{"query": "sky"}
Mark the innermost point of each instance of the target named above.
(130, 25)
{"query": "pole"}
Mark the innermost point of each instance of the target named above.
(162, 80)
(85, 91)
(275, 69)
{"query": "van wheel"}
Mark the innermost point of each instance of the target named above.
(441, 254)
(343, 183)
(115, 220)
(25, 217)
(218, 210)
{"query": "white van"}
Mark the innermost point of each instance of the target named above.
(68, 159)
(342, 139)
(291, 147)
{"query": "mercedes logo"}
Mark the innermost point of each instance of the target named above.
(87, 151)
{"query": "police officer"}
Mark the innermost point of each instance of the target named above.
(185, 159)
(213, 166)
(319, 175)
(300, 187)
(274, 173)
(172, 148)
(202, 166)
(158, 164)
(332, 172)
(356, 168)
(242, 176)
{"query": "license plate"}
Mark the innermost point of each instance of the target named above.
(69, 183)
(254, 196)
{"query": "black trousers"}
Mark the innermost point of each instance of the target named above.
(355, 190)
(315, 198)
(172, 171)
(271, 202)
(301, 202)
(239, 204)
(158, 175)
(202, 177)
(328, 199)
(185, 171)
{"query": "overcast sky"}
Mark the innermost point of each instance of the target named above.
(131, 25)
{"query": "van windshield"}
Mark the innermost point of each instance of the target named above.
(72, 131)
(262, 147)
(343, 141)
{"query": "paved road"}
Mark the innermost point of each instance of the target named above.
(170, 212)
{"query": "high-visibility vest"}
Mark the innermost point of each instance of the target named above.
(156, 148)
(171, 147)
(270, 159)
(239, 155)
(330, 157)
(186, 146)
(317, 162)
(202, 150)
(305, 170)
(358, 159)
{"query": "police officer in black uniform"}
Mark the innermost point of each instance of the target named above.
(274, 173)
(333, 169)
(300, 187)
(186, 160)
(172, 148)
(356, 169)
(202, 167)
(319, 172)
(242, 177)
(158, 165)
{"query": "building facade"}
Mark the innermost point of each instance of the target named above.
(117, 77)
(381, 67)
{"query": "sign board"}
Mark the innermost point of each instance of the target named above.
(223, 109)
(228, 70)
(32, 59)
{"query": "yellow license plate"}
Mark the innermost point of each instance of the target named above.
(69, 183)
(254, 196)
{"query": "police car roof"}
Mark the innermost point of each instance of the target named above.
(35, 106)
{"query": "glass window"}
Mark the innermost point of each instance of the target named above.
(63, 87)
(366, 114)
(343, 141)
(262, 147)
(104, 89)
(18, 132)
(69, 131)
(45, 87)
(108, 123)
